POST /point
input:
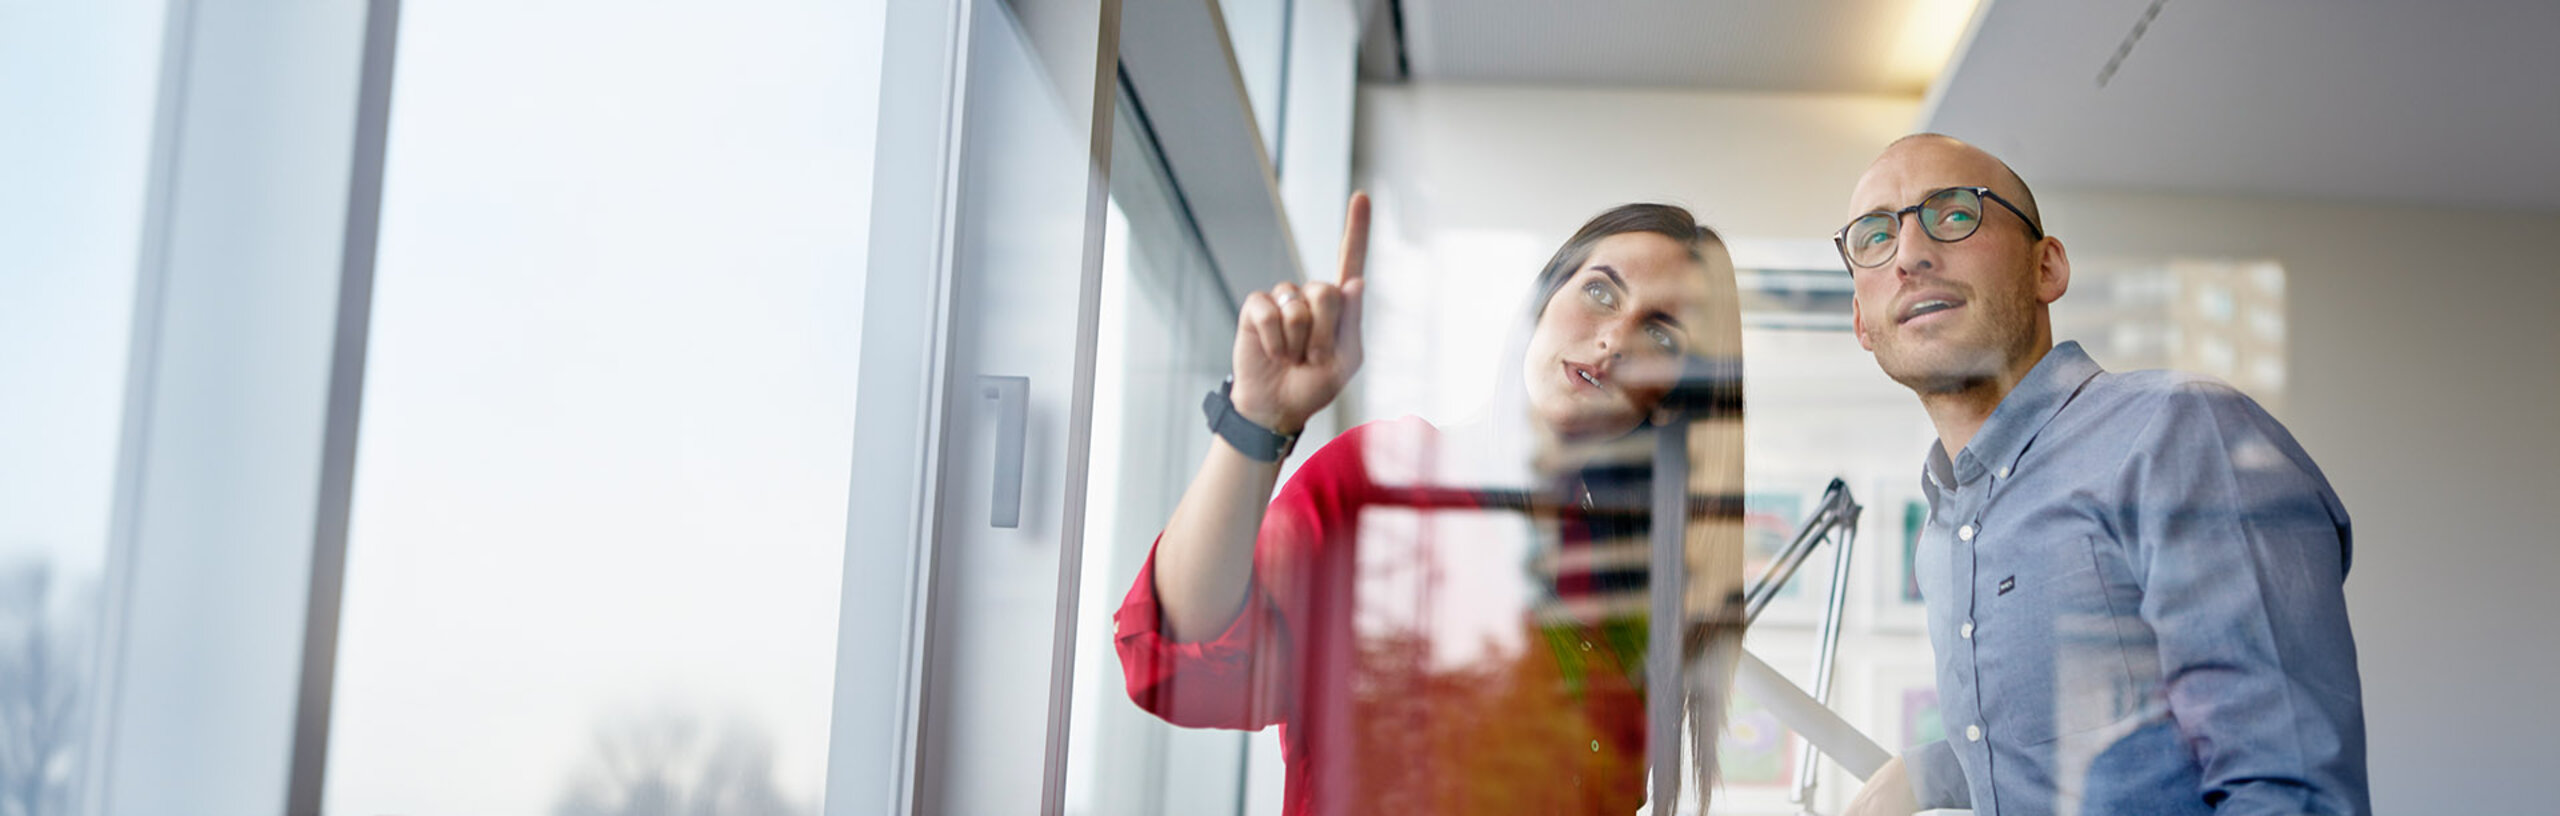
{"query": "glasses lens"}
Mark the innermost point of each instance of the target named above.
(1869, 240)
(1951, 215)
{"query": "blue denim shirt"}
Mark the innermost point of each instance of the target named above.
(2135, 594)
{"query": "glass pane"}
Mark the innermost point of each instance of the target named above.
(1448, 616)
(70, 228)
(600, 496)
(1165, 324)
(1817, 399)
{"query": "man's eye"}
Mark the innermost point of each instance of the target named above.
(1600, 294)
(1877, 238)
(1956, 218)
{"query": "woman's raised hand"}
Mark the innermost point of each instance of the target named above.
(1297, 346)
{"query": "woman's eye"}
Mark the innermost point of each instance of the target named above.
(1600, 294)
(1662, 337)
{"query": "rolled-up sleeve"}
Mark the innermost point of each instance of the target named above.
(2243, 550)
(1936, 780)
(1233, 680)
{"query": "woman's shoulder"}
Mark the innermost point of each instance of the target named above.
(1403, 452)
(1401, 432)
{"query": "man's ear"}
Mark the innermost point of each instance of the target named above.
(2053, 270)
(1858, 323)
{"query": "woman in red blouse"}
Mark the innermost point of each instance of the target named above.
(1250, 611)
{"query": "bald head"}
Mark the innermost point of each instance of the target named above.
(1954, 319)
(1937, 155)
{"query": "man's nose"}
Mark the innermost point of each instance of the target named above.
(1914, 251)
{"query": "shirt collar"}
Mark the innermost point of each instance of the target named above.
(2021, 415)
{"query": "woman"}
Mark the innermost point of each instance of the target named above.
(1248, 612)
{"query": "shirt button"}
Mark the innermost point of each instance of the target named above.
(2003, 473)
(1973, 733)
(1967, 631)
(1965, 532)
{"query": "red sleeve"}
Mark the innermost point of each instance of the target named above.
(1230, 681)
(1243, 678)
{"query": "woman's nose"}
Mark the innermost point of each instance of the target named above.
(1616, 337)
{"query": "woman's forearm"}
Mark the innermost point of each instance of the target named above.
(1204, 562)
(1296, 347)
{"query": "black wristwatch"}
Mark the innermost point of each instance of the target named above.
(1252, 440)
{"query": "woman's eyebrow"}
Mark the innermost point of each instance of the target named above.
(1612, 272)
(1663, 316)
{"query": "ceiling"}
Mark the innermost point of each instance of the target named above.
(1830, 46)
(2446, 103)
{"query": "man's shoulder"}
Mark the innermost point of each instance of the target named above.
(2164, 383)
(2161, 409)
(2158, 391)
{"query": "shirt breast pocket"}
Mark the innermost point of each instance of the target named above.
(2086, 681)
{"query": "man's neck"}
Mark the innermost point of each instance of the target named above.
(1959, 413)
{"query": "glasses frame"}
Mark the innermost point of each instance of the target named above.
(1840, 238)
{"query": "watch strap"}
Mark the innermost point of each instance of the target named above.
(1249, 438)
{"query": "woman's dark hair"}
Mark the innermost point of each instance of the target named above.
(1665, 220)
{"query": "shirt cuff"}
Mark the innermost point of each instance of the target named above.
(1140, 628)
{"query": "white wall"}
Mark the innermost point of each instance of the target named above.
(2422, 371)
(1762, 165)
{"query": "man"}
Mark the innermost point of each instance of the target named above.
(2134, 581)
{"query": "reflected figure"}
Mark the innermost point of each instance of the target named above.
(44, 683)
(669, 762)
(1453, 621)
(2134, 581)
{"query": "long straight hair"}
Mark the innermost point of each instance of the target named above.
(1712, 635)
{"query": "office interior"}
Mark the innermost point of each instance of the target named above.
(506, 408)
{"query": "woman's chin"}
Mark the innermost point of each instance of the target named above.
(1585, 422)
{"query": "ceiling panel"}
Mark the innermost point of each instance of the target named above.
(1830, 46)
(2448, 103)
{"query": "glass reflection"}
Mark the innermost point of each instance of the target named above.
(1455, 620)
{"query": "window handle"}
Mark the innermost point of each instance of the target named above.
(1012, 396)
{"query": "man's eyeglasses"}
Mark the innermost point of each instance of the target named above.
(1948, 215)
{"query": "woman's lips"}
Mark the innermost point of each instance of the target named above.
(1582, 376)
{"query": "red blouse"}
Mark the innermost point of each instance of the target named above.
(1369, 721)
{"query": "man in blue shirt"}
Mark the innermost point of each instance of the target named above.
(2134, 581)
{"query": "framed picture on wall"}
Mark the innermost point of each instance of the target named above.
(1771, 515)
(1890, 532)
(1902, 699)
(1758, 754)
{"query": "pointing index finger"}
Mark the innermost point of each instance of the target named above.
(1355, 238)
